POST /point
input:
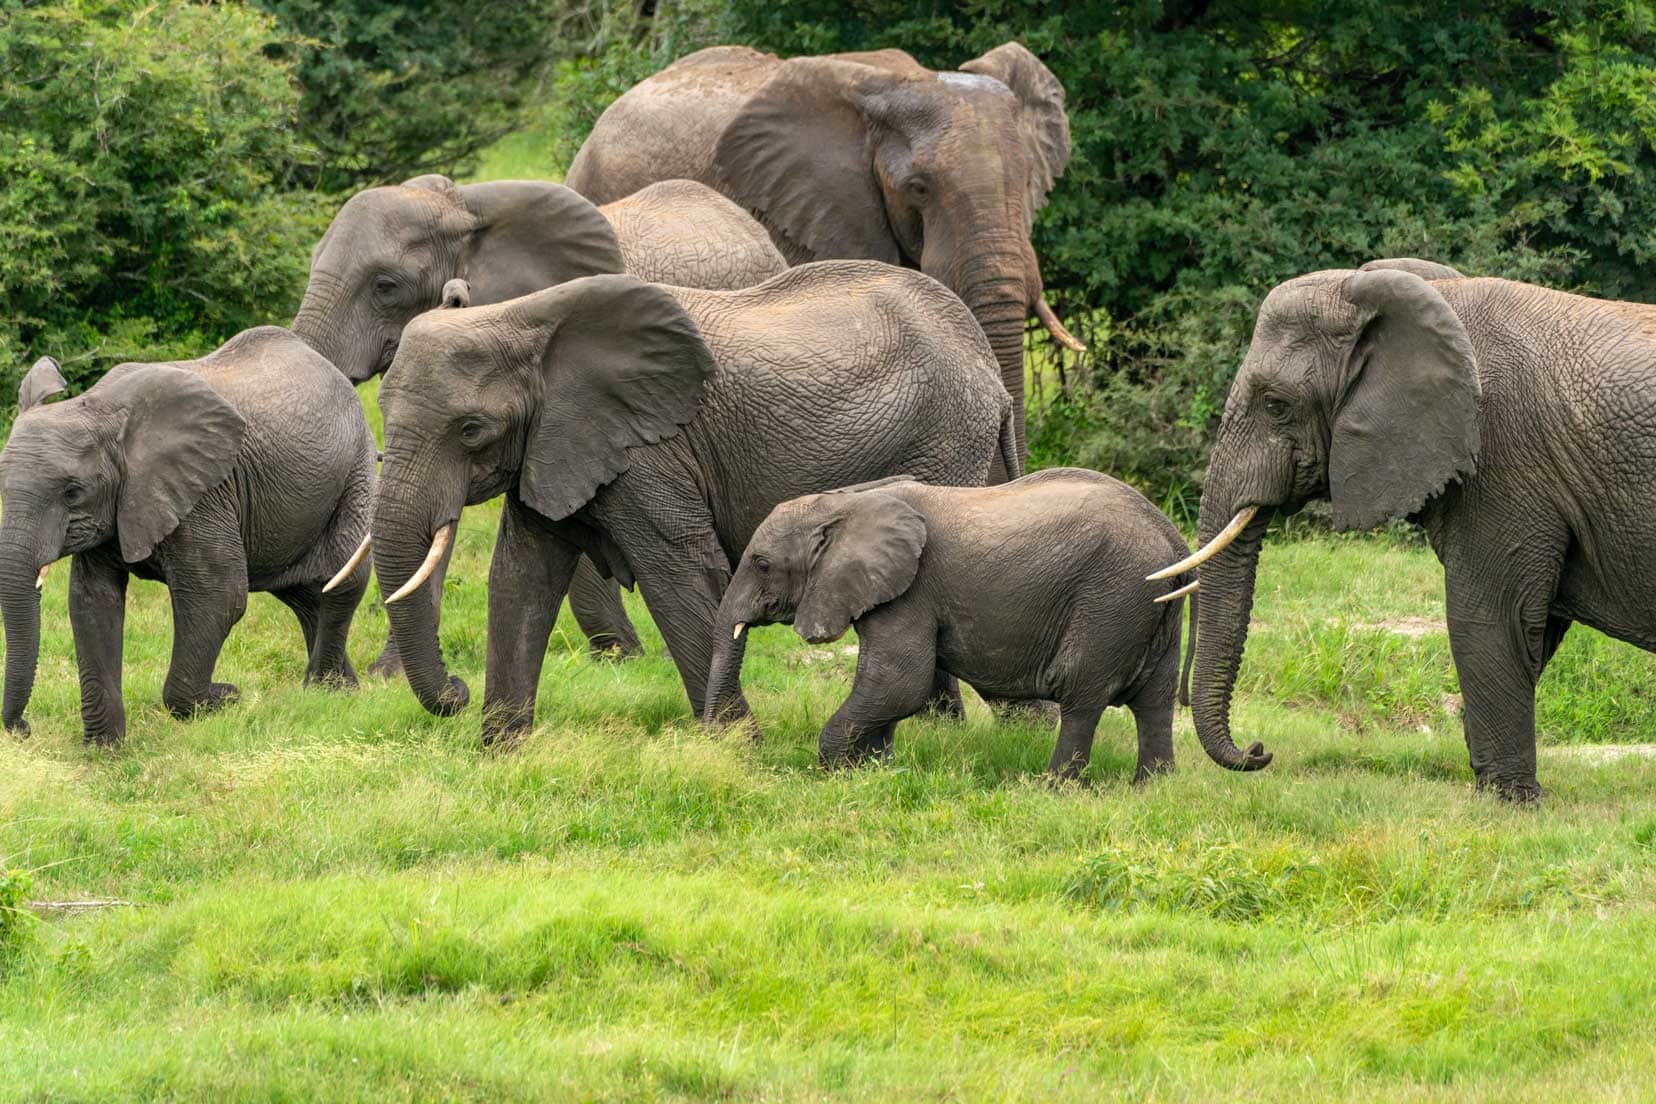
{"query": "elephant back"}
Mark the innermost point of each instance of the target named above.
(685, 234)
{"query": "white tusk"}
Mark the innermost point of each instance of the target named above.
(439, 545)
(40, 580)
(736, 633)
(1188, 588)
(350, 564)
(1211, 549)
(1056, 328)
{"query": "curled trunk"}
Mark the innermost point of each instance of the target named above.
(725, 702)
(1221, 634)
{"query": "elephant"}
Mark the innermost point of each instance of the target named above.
(251, 469)
(1512, 422)
(863, 156)
(1032, 590)
(390, 250)
(653, 428)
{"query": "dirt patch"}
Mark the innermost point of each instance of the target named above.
(1604, 753)
(1412, 627)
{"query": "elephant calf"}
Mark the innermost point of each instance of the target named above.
(1033, 589)
(249, 469)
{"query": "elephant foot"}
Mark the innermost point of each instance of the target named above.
(338, 679)
(218, 695)
(1518, 791)
(388, 665)
(103, 738)
(504, 738)
(1147, 772)
(613, 650)
(19, 727)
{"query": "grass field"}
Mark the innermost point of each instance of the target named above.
(337, 896)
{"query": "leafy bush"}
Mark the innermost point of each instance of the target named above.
(142, 161)
(16, 921)
(392, 90)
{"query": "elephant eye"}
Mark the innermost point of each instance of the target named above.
(471, 431)
(916, 187)
(1276, 408)
(74, 494)
(384, 286)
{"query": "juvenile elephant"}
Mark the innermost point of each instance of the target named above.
(863, 155)
(249, 469)
(1515, 423)
(389, 252)
(1032, 589)
(654, 428)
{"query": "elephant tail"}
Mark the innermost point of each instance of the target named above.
(1009, 446)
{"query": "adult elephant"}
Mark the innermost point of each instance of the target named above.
(654, 428)
(1515, 423)
(866, 155)
(249, 469)
(390, 251)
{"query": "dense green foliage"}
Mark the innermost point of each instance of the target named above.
(141, 205)
(1222, 148)
(392, 90)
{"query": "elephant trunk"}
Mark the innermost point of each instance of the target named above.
(20, 563)
(402, 537)
(737, 611)
(318, 325)
(1221, 628)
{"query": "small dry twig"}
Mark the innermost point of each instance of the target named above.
(86, 905)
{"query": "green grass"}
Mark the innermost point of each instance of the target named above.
(337, 896)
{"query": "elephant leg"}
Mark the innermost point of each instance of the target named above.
(1152, 706)
(1502, 635)
(896, 677)
(389, 664)
(207, 601)
(945, 696)
(596, 603)
(325, 620)
(1076, 726)
(528, 576)
(306, 604)
(97, 616)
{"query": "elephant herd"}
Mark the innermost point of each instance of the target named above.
(762, 358)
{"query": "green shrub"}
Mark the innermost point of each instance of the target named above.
(16, 921)
(142, 165)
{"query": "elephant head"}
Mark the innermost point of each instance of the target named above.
(125, 461)
(389, 252)
(1358, 387)
(817, 563)
(540, 396)
(873, 156)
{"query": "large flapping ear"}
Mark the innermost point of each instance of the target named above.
(1045, 125)
(1407, 423)
(798, 153)
(39, 384)
(1426, 270)
(621, 365)
(864, 554)
(530, 235)
(179, 440)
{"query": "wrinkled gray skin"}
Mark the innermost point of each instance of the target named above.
(654, 428)
(390, 250)
(1515, 423)
(1030, 590)
(249, 469)
(866, 155)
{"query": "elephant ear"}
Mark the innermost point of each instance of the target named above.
(798, 153)
(39, 384)
(621, 365)
(1044, 123)
(863, 555)
(1426, 270)
(1408, 421)
(529, 235)
(180, 439)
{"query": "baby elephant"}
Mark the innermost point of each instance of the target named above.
(1033, 589)
(249, 469)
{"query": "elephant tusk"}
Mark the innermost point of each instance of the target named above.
(40, 580)
(1056, 328)
(1188, 588)
(1211, 549)
(736, 633)
(350, 564)
(439, 545)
